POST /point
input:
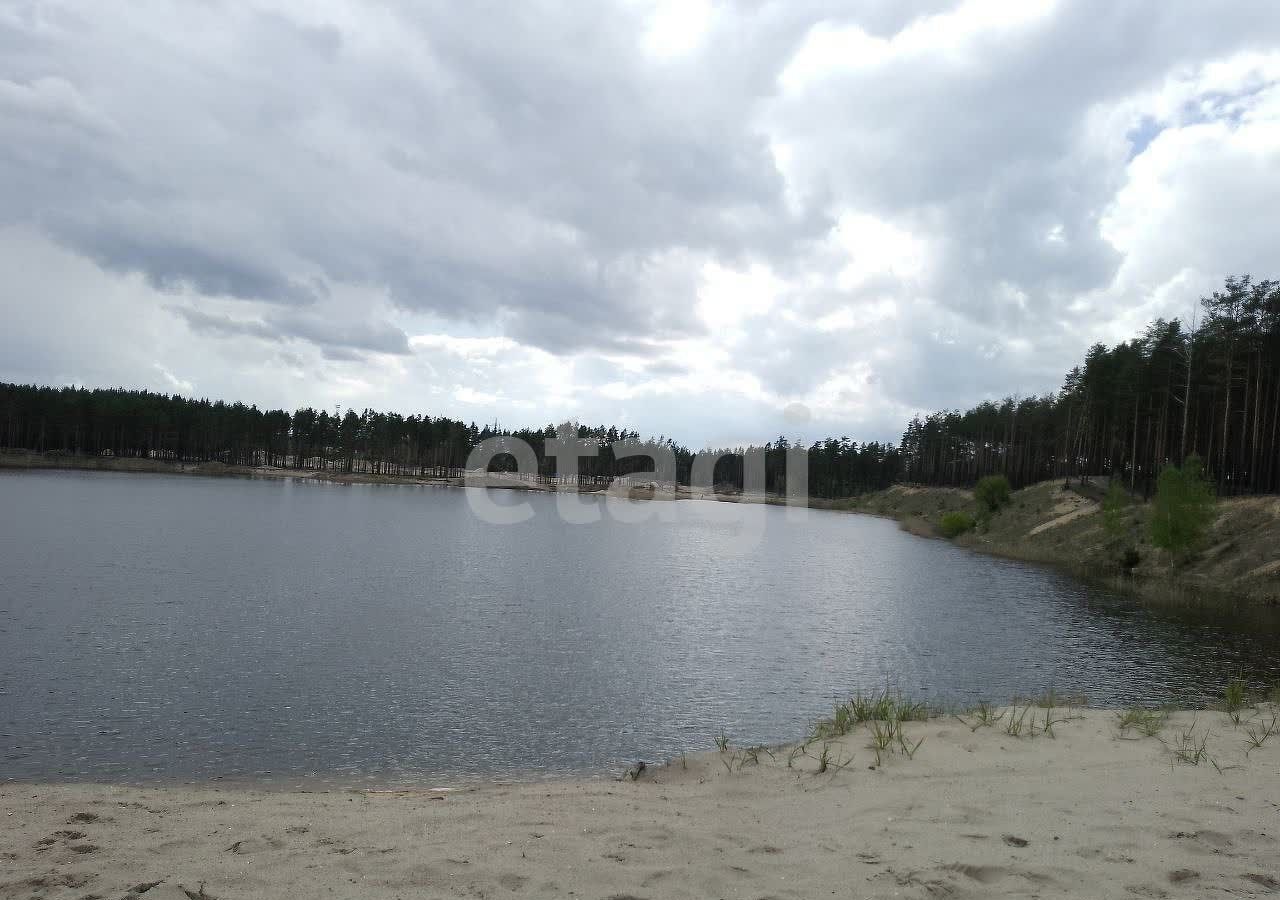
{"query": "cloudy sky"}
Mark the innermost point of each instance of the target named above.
(691, 218)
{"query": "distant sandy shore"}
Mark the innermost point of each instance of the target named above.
(21, 460)
(1084, 813)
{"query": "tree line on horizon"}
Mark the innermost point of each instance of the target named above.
(1212, 390)
(145, 425)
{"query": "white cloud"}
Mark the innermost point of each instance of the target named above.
(178, 385)
(677, 27)
(727, 297)
(876, 247)
(955, 35)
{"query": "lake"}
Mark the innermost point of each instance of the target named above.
(159, 627)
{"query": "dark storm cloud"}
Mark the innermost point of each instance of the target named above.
(376, 337)
(173, 265)
(346, 340)
(223, 325)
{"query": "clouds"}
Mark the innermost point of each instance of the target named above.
(342, 340)
(654, 210)
(972, 126)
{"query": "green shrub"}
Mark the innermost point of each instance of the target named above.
(1114, 508)
(955, 524)
(1183, 508)
(992, 492)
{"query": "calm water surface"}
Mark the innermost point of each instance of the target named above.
(156, 627)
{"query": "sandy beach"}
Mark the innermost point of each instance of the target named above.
(1088, 811)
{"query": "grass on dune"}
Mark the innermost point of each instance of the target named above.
(881, 716)
(1150, 722)
(886, 706)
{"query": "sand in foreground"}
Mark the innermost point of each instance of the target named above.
(974, 814)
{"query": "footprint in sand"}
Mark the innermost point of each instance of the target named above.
(254, 845)
(656, 877)
(56, 880)
(145, 886)
(512, 882)
(46, 842)
(981, 874)
(1261, 880)
(1209, 841)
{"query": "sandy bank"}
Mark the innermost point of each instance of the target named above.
(1237, 565)
(1085, 813)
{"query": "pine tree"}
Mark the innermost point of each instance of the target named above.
(1183, 508)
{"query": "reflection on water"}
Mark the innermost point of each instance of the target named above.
(158, 627)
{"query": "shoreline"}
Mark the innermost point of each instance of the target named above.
(1085, 811)
(1237, 570)
(36, 462)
